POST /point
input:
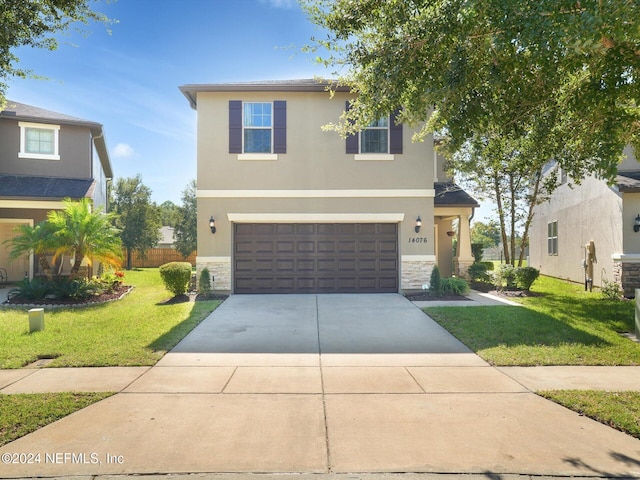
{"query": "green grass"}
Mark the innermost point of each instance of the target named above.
(561, 325)
(137, 330)
(21, 414)
(619, 410)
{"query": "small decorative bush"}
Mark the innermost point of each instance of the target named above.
(610, 290)
(477, 250)
(478, 273)
(525, 276)
(35, 289)
(76, 288)
(505, 277)
(454, 286)
(176, 277)
(204, 284)
(490, 266)
(435, 284)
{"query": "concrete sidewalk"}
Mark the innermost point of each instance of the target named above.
(231, 405)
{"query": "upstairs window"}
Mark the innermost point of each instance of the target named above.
(257, 129)
(39, 141)
(375, 138)
(257, 123)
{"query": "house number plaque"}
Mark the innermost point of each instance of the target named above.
(417, 239)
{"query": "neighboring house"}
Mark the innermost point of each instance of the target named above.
(45, 157)
(294, 208)
(167, 238)
(575, 215)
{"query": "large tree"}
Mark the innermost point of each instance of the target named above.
(35, 23)
(136, 216)
(186, 230)
(509, 84)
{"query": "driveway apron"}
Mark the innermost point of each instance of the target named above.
(323, 384)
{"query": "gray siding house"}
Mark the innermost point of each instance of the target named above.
(45, 157)
(287, 207)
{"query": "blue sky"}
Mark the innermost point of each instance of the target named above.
(128, 80)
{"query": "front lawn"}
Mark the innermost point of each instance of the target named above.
(21, 414)
(560, 325)
(137, 330)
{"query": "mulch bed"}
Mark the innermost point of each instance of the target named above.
(118, 293)
(194, 297)
(425, 297)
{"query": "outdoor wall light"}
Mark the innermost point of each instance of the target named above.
(636, 224)
(212, 225)
(418, 223)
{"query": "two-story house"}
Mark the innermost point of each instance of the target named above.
(45, 157)
(285, 206)
(576, 215)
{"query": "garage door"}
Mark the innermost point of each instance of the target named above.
(316, 258)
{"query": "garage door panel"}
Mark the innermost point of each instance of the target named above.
(310, 258)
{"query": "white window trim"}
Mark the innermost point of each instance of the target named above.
(38, 156)
(257, 155)
(552, 238)
(375, 155)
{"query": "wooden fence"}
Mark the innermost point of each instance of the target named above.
(158, 256)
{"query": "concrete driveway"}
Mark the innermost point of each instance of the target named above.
(319, 324)
(323, 384)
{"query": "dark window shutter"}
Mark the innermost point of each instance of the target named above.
(352, 141)
(235, 126)
(279, 126)
(395, 134)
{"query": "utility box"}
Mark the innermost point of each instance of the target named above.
(36, 320)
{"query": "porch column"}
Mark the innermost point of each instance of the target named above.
(464, 257)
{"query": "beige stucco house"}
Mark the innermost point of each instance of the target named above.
(45, 157)
(575, 215)
(285, 206)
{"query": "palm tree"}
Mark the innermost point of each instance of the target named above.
(37, 240)
(84, 233)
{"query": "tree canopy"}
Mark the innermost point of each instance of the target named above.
(558, 79)
(186, 232)
(34, 23)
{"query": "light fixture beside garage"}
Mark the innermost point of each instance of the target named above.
(418, 224)
(212, 224)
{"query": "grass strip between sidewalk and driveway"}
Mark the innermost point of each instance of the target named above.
(619, 410)
(136, 330)
(560, 324)
(24, 413)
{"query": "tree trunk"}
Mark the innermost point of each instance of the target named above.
(533, 201)
(512, 208)
(128, 258)
(503, 233)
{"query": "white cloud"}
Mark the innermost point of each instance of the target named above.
(123, 150)
(280, 3)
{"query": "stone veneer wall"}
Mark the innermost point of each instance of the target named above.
(220, 270)
(627, 275)
(415, 274)
(462, 268)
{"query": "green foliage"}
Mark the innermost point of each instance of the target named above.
(435, 283)
(204, 283)
(136, 216)
(186, 232)
(488, 234)
(57, 288)
(478, 272)
(169, 213)
(34, 289)
(525, 276)
(610, 290)
(489, 265)
(454, 286)
(85, 234)
(477, 250)
(176, 276)
(37, 240)
(37, 24)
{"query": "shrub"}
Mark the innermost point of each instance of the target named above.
(478, 273)
(435, 284)
(610, 290)
(204, 284)
(176, 276)
(505, 277)
(477, 250)
(490, 266)
(35, 289)
(454, 286)
(525, 276)
(76, 288)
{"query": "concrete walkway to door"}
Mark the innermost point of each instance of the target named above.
(325, 384)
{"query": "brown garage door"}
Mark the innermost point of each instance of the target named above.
(315, 258)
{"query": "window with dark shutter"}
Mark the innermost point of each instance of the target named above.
(279, 126)
(235, 126)
(395, 135)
